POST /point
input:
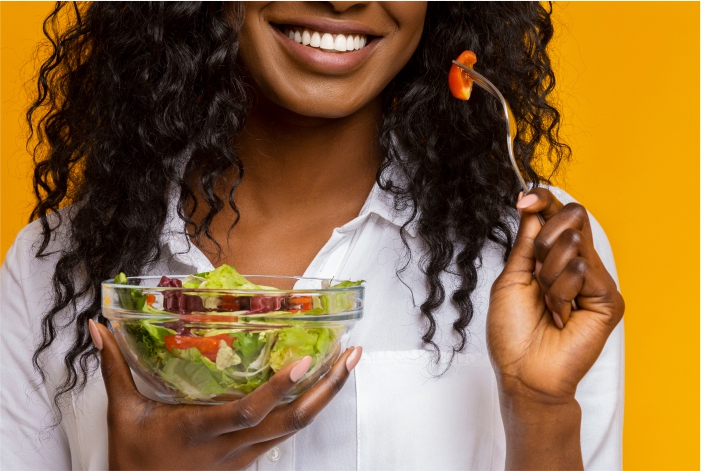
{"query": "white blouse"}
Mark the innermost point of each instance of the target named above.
(393, 413)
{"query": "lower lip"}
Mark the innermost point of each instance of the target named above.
(326, 62)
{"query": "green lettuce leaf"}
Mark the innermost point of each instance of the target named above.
(248, 345)
(223, 277)
(294, 343)
(148, 340)
(194, 375)
(348, 284)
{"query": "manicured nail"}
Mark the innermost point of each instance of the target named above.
(300, 368)
(354, 358)
(526, 201)
(95, 334)
(558, 320)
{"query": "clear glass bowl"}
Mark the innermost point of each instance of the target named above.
(209, 346)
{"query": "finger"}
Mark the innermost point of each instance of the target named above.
(298, 414)
(116, 374)
(521, 263)
(571, 216)
(594, 292)
(540, 200)
(252, 409)
(569, 245)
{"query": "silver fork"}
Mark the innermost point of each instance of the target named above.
(510, 130)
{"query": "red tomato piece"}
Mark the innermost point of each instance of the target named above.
(208, 346)
(459, 82)
(230, 303)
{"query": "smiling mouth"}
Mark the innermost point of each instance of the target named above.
(328, 42)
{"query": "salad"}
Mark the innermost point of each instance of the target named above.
(205, 344)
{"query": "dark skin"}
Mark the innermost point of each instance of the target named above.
(316, 127)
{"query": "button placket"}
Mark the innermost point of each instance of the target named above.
(278, 457)
(273, 454)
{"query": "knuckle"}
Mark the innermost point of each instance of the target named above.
(298, 419)
(277, 389)
(335, 383)
(576, 210)
(572, 236)
(577, 265)
(246, 416)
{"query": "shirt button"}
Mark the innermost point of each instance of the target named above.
(273, 454)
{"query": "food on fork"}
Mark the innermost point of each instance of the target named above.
(460, 83)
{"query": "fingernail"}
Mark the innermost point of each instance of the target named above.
(300, 368)
(520, 195)
(538, 266)
(526, 201)
(354, 358)
(558, 320)
(95, 334)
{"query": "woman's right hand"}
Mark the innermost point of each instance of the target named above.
(145, 434)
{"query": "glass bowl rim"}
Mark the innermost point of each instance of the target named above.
(271, 292)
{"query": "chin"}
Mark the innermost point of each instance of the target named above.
(330, 107)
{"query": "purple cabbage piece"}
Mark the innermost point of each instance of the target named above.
(178, 302)
(178, 327)
(262, 304)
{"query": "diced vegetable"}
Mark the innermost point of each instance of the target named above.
(459, 82)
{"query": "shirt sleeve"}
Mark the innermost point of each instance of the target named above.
(27, 439)
(600, 393)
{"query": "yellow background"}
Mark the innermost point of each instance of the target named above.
(628, 79)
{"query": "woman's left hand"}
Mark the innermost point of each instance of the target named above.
(540, 348)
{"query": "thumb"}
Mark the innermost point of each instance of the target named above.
(116, 374)
(521, 262)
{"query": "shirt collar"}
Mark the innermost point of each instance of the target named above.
(378, 203)
(381, 204)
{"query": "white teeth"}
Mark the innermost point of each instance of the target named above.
(326, 41)
(316, 40)
(340, 43)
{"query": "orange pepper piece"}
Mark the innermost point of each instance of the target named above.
(459, 82)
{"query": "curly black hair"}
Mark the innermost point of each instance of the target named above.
(140, 100)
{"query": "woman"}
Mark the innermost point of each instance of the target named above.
(187, 135)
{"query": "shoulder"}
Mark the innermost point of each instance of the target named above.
(31, 237)
(22, 268)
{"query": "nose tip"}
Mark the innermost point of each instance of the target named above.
(340, 7)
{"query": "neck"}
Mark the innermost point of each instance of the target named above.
(294, 162)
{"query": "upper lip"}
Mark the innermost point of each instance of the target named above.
(324, 25)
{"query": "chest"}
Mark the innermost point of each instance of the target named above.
(398, 411)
